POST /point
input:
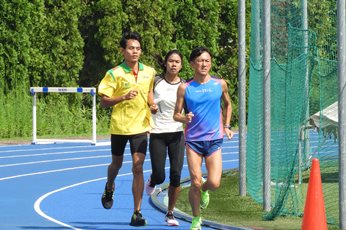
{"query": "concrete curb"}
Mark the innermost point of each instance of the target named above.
(159, 197)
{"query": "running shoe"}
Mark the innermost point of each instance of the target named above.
(204, 201)
(137, 219)
(149, 190)
(170, 220)
(107, 198)
(196, 223)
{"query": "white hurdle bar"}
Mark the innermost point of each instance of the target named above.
(34, 90)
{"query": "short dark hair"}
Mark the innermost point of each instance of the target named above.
(197, 52)
(130, 35)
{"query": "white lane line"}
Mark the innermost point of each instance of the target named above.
(51, 171)
(69, 152)
(70, 147)
(59, 170)
(38, 202)
(103, 143)
(230, 147)
(230, 160)
(44, 149)
(75, 168)
(56, 160)
(37, 205)
(52, 153)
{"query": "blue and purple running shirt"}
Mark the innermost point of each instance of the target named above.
(204, 101)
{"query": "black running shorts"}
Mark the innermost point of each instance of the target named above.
(138, 143)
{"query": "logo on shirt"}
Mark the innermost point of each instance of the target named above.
(204, 91)
(126, 85)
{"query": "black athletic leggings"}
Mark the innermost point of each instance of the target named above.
(159, 145)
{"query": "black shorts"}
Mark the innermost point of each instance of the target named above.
(138, 143)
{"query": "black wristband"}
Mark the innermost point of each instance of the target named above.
(227, 126)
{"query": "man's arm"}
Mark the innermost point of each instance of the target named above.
(227, 110)
(111, 101)
(179, 105)
(152, 105)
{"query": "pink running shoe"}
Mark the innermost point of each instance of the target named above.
(170, 220)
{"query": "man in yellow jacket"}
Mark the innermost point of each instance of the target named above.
(128, 89)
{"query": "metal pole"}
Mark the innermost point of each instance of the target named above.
(306, 139)
(266, 103)
(304, 132)
(94, 118)
(242, 96)
(34, 136)
(342, 112)
(257, 32)
(305, 23)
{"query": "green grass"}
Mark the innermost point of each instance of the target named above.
(227, 207)
(57, 115)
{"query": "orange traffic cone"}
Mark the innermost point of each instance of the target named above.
(314, 213)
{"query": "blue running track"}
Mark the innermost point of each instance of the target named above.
(59, 186)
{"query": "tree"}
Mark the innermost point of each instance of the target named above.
(14, 42)
(100, 26)
(60, 44)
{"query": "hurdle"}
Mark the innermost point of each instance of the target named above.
(89, 90)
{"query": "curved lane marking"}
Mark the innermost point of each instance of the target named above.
(38, 202)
